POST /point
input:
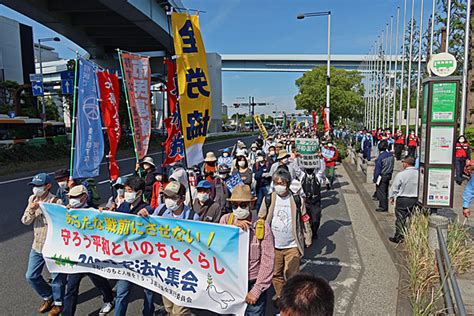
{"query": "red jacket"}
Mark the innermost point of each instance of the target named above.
(412, 141)
(399, 139)
(463, 150)
(330, 162)
(155, 194)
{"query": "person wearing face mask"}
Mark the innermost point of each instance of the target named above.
(116, 201)
(222, 192)
(252, 154)
(208, 209)
(133, 204)
(271, 154)
(463, 153)
(160, 180)
(226, 158)
(147, 167)
(243, 169)
(284, 162)
(399, 144)
(291, 227)
(330, 154)
(62, 176)
(78, 197)
(52, 295)
(174, 207)
(209, 168)
(261, 172)
(412, 143)
(262, 253)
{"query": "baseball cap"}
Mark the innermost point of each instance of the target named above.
(77, 190)
(204, 184)
(61, 173)
(174, 189)
(41, 179)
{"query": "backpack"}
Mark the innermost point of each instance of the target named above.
(189, 217)
(296, 198)
(94, 197)
(311, 187)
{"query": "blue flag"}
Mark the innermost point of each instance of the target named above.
(234, 181)
(89, 140)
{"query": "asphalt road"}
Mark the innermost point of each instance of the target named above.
(333, 256)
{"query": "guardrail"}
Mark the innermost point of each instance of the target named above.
(444, 265)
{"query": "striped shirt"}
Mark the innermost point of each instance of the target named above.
(36, 217)
(261, 258)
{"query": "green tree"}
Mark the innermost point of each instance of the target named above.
(347, 93)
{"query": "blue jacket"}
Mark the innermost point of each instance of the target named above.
(367, 142)
(468, 193)
(384, 165)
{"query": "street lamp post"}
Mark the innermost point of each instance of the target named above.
(48, 39)
(328, 74)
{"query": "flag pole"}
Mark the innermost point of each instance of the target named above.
(467, 35)
(400, 108)
(119, 52)
(418, 84)
(389, 97)
(73, 124)
(394, 101)
(410, 66)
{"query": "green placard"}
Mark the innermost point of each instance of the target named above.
(443, 105)
(306, 146)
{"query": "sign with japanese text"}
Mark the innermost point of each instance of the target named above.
(443, 102)
(89, 141)
(234, 181)
(192, 263)
(261, 127)
(307, 148)
(327, 153)
(137, 76)
(109, 96)
(195, 106)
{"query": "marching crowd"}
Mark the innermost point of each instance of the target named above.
(264, 189)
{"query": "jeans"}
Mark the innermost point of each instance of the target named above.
(37, 282)
(403, 209)
(382, 192)
(259, 308)
(459, 164)
(261, 193)
(72, 292)
(367, 153)
(121, 299)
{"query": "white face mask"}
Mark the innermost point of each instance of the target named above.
(461, 140)
(38, 191)
(129, 197)
(242, 164)
(260, 159)
(62, 184)
(280, 189)
(241, 213)
(272, 153)
(171, 205)
(75, 202)
(202, 197)
(284, 161)
(120, 192)
(158, 178)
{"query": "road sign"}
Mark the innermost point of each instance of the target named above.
(11, 114)
(36, 77)
(66, 86)
(442, 64)
(37, 88)
(67, 75)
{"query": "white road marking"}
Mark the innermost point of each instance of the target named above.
(107, 180)
(328, 263)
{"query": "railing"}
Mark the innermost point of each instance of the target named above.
(444, 265)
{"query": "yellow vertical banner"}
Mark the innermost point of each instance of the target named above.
(194, 87)
(261, 127)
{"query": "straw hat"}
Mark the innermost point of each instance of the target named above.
(241, 193)
(210, 157)
(283, 154)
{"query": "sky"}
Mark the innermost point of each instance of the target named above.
(271, 27)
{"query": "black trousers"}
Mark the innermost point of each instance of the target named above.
(459, 164)
(398, 151)
(382, 192)
(313, 207)
(403, 209)
(412, 151)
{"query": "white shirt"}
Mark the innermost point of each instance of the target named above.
(282, 227)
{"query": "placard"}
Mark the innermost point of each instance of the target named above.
(443, 102)
(439, 187)
(441, 144)
(306, 146)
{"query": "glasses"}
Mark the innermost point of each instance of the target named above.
(241, 205)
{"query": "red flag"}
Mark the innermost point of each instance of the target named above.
(109, 93)
(174, 144)
(137, 76)
(315, 121)
(326, 123)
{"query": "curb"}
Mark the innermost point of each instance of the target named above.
(384, 226)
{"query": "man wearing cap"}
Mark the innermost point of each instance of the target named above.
(174, 207)
(208, 210)
(147, 168)
(78, 197)
(283, 162)
(404, 190)
(53, 294)
(61, 176)
(262, 253)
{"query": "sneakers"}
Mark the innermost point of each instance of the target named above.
(55, 311)
(379, 209)
(46, 306)
(106, 308)
(395, 240)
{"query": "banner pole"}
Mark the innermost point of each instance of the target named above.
(132, 129)
(73, 124)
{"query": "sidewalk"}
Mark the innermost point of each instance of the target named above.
(385, 222)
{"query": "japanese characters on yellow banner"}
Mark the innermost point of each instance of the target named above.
(261, 127)
(194, 88)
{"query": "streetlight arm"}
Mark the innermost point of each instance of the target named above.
(312, 14)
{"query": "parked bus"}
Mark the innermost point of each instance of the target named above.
(25, 130)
